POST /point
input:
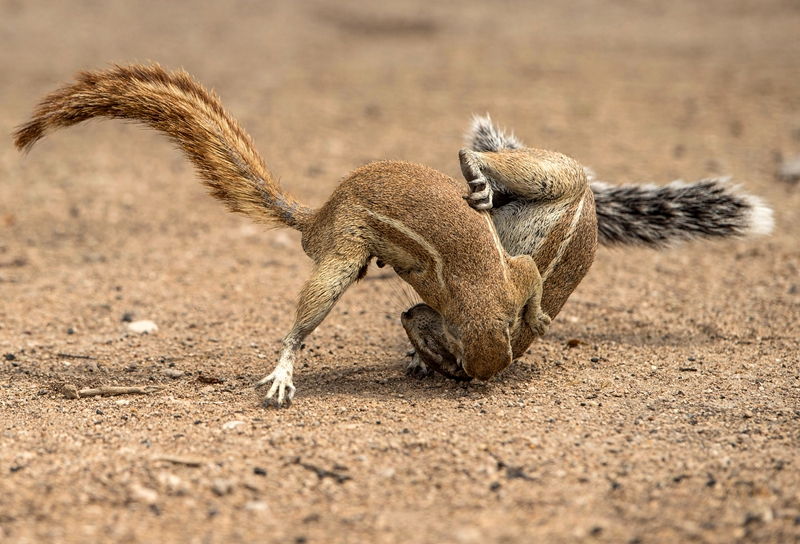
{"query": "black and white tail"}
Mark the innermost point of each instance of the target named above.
(651, 215)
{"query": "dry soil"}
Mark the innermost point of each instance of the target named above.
(674, 418)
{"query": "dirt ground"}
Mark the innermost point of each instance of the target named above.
(675, 418)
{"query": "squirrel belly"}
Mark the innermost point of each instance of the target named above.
(449, 253)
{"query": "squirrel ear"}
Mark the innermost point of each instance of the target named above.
(483, 135)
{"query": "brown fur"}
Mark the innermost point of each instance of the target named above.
(557, 219)
(408, 216)
(534, 196)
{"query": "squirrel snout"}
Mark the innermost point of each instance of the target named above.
(409, 314)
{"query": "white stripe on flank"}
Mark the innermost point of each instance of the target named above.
(555, 217)
(397, 225)
(497, 244)
(562, 248)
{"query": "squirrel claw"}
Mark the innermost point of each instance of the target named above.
(417, 368)
(480, 204)
(480, 196)
(281, 384)
(540, 324)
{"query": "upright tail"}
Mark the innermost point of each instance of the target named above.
(653, 216)
(192, 117)
(649, 215)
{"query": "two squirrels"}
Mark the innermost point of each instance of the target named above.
(493, 259)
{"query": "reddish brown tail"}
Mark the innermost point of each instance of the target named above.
(192, 117)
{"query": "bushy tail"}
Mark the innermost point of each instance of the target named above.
(189, 115)
(653, 216)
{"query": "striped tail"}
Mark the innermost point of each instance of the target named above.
(659, 216)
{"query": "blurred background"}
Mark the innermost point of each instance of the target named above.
(640, 90)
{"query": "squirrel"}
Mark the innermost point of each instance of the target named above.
(542, 206)
(408, 216)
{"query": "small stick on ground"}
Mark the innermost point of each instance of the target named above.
(71, 392)
(73, 356)
(322, 473)
(180, 460)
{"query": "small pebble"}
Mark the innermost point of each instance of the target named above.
(172, 483)
(142, 327)
(143, 494)
(70, 391)
(173, 373)
(221, 486)
(260, 471)
(256, 506)
(790, 169)
(232, 424)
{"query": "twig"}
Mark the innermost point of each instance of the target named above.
(178, 460)
(322, 473)
(71, 356)
(71, 392)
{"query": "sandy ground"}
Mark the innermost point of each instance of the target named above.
(676, 418)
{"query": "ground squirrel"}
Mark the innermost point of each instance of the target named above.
(544, 205)
(408, 216)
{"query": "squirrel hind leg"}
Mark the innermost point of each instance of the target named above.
(480, 195)
(329, 280)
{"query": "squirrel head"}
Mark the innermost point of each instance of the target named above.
(481, 351)
(482, 344)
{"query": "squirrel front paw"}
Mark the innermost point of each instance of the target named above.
(417, 367)
(539, 322)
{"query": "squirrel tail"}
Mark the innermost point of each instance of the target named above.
(190, 116)
(659, 216)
